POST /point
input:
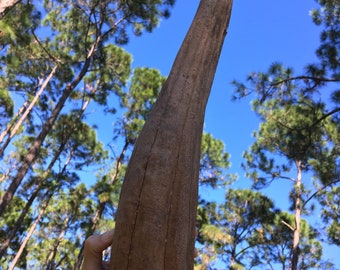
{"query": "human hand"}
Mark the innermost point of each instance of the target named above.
(93, 250)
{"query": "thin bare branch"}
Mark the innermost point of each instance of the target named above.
(288, 225)
(319, 190)
(315, 79)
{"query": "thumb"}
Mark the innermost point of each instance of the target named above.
(93, 249)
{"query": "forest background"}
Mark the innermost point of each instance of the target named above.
(259, 34)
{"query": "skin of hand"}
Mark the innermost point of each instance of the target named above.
(94, 247)
(93, 250)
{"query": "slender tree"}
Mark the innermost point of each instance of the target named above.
(7, 223)
(299, 125)
(29, 234)
(276, 241)
(22, 114)
(301, 133)
(213, 163)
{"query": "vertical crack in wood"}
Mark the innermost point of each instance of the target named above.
(159, 194)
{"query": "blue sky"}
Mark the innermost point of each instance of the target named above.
(260, 33)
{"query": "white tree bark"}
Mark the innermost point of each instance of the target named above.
(5, 5)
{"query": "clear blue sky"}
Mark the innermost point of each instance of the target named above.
(260, 33)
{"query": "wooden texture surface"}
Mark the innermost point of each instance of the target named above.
(155, 224)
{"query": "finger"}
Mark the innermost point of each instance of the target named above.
(104, 241)
(93, 248)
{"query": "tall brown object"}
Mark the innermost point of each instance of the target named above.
(155, 226)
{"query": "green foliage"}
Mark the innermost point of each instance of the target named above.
(6, 104)
(14, 27)
(111, 70)
(144, 88)
(214, 161)
(280, 83)
(247, 231)
(148, 13)
(230, 231)
(329, 51)
(331, 214)
(107, 190)
(80, 39)
(69, 35)
(65, 213)
(8, 223)
(277, 238)
(298, 132)
(79, 140)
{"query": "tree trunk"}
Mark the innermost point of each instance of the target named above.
(233, 254)
(5, 244)
(11, 125)
(155, 226)
(296, 240)
(6, 5)
(13, 130)
(29, 234)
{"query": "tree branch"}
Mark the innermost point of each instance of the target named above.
(44, 49)
(285, 177)
(319, 190)
(288, 225)
(315, 79)
(325, 116)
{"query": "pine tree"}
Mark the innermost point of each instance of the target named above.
(228, 232)
(299, 125)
